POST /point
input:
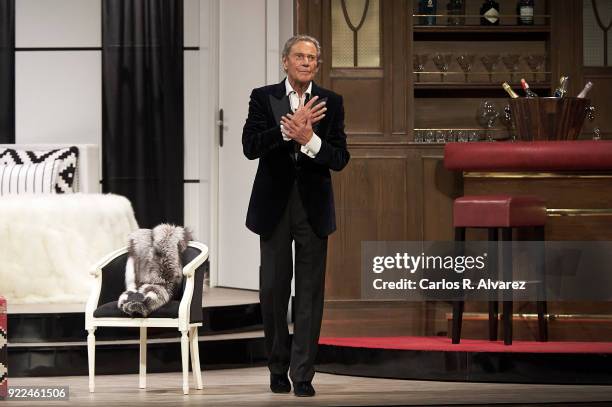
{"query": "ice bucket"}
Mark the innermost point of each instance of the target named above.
(548, 118)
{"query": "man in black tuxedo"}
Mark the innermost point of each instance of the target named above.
(296, 130)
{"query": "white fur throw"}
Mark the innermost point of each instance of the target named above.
(48, 243)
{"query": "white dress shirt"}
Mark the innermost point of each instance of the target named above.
(311, 149)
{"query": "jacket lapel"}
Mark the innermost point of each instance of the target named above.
(279, 102)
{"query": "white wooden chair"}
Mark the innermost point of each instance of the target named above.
(184, 312)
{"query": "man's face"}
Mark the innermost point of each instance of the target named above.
(301, 65)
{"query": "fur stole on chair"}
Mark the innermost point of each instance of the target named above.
(154, 270)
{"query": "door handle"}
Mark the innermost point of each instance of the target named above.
(220, 124)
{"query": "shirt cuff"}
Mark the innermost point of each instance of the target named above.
(283, 133)
(311, 149)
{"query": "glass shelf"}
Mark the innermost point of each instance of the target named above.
(441, 29)
(476, 85)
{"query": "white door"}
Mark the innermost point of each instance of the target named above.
(242, 67)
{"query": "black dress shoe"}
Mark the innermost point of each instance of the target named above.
(279, 383)
(303, 389)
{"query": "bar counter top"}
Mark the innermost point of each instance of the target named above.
(530, 156)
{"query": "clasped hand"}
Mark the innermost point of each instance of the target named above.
(298, 126)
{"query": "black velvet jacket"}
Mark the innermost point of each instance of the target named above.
(278, 169)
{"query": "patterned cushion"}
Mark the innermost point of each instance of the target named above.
(66, 180)
(17, 179)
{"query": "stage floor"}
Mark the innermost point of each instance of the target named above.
(436, 358)
(444, 344)
(249, 387)
(213, 297)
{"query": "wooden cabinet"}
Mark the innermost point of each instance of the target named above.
(394, 188)
(477, 59)
(387, 192)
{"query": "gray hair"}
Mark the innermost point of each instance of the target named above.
(301, 37)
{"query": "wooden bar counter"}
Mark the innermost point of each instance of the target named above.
(419, 184)
(575, 179)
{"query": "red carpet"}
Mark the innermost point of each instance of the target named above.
(443, 344)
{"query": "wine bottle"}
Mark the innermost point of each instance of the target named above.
(524, 11)
(528, 92)
(509, 90)
(489, 13)
(456, 11)
(429, 8)
(561, 91)
(586, 90)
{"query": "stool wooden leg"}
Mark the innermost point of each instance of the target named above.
(541, 303)
(507, 276)
(457, 320)
(493, 272)
(458, 305)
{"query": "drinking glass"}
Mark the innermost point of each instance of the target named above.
(532, 63)
(440, 136)
(535, 62)
(490, 62)
(462, 136)
(466, 61)
(511, 61)
(430, 136)
(506, 119)
(596, 134)
(419, 136)
(442, 62)
(486, 116)
(473, 136)
(450, 136)
(591, 117)
(419, 61)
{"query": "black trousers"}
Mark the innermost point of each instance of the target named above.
(275, 290)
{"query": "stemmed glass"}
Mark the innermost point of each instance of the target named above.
(490, 62)
(506, 119)
(442, 62)
(511, 61)
(419, 136)
(451, 136)
(430, 136)
(419, 61)
(535, 63)
(486, 116)
(591, 116)
(466, 61)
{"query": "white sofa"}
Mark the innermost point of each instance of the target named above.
(49, 242)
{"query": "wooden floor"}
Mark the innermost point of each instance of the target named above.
(249, 387)
(213, 297)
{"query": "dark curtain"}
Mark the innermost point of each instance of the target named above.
(142, 106)
(7, 71)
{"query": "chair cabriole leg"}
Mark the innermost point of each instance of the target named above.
(195, 357)
(91, 358)
(185, 360)
(142, 380)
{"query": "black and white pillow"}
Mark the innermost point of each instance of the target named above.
(39, 178)
(66, 180)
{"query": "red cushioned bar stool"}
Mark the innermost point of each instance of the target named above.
(500, 213)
